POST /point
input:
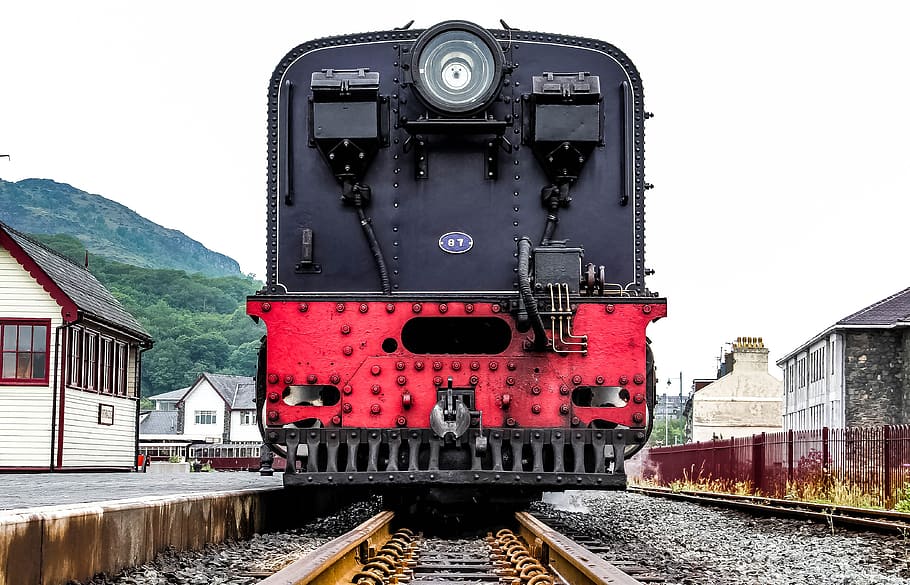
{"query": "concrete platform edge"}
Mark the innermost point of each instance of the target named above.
(53, 545)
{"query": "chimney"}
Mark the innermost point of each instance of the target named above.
(749, 353)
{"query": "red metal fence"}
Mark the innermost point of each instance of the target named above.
(873, 462)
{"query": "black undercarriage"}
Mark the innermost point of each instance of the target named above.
(542, 459)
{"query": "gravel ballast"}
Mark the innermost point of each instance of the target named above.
(690, 544)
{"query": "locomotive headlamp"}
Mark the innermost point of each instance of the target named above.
(457, 68)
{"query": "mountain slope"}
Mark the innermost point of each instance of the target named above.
(105, 227)
(198, 323)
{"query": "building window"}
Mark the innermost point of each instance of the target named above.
(817, 364)
(205, 417)
(75, 358)
(90, 361)
(23, 345)
(97, 363)
(248, 417)
(107, 364)
(123, 354)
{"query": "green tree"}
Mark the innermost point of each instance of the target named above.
(673, 431)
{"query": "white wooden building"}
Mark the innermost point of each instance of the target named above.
(69, 369)
(217, 408)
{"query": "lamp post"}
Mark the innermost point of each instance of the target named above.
(667, 404)
(667, 415)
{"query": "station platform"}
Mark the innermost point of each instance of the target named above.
(30, 490)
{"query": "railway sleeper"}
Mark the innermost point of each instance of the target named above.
(439, 562)
(561, 458)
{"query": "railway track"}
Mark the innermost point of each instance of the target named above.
(529, 552)
(880, 520)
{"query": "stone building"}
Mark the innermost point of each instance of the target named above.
(744, 400)
(854, 373)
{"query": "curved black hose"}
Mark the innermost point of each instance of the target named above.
(550, 228)
(527, 295)
(376, 250)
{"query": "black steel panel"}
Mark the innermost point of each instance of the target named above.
(345, 120)
(409, 214)
(558, 122)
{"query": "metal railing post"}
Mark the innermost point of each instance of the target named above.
(790, 456)
(888, 487)
(758, 462)
(824, 448)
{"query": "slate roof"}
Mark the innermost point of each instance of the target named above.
(172, 395)
(239, 392)
(159, 422)
(245, 398)
(886, 312)
(77, 283)
(889, 312)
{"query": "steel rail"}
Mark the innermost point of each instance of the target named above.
(338, 562)
(573, 562)
(885, 520)
(332, 562)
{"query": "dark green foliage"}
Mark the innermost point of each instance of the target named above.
(105, 227)
(672, 430)
(198, 323)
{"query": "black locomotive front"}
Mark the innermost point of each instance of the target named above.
(455, 290)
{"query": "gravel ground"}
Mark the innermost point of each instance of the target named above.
(694, 545)
(232, 563)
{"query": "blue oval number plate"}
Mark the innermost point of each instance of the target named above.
(456, 242)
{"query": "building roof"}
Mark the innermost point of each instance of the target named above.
(71, 285)
(246, 397)
(172, 395)
(239, 392)
(158, 422)
(893, 311)
(887, 312)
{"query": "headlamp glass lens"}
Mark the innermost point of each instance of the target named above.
(456, 70)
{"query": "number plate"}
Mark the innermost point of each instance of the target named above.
(455, 242)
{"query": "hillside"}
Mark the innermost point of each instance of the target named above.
(105, 228)
(198, 323)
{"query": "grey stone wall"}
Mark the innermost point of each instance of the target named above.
(181, 415)
(906, 360)
(226, 427)
(875, 372)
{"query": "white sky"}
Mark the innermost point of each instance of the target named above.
(779, 149)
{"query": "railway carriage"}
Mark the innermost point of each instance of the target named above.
(455, 296)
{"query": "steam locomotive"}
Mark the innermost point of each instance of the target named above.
(455, 300)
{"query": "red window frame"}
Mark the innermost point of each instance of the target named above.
(8, 349)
